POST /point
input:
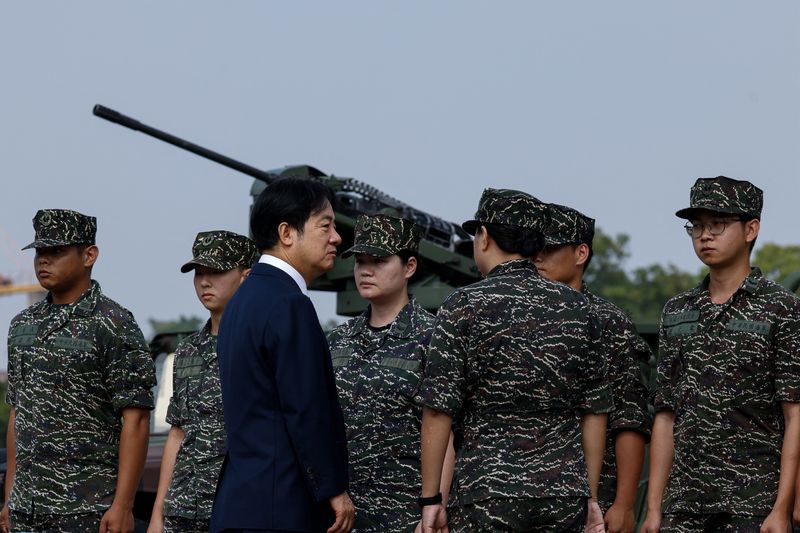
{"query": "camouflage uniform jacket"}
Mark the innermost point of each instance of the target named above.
(196, 408)
(377, 373)
(624, 349)
(724, 371)
(72, 369)
(513, 359)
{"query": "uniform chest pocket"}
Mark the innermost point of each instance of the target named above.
(752, 342)
(20, 344)
(203, 393)
(399, 375)
(77, 353)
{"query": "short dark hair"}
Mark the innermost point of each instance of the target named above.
(289, 200)
(745, 219)
(515, 240)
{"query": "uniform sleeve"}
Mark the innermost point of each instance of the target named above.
(594, 393)
(666, 373)
(448, 360)
(13, 365)
(177, 411)
(628, 387)
(130, 372)
(787, 356)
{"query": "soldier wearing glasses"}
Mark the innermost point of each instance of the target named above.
(724, 450)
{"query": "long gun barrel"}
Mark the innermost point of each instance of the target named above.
(128, 122)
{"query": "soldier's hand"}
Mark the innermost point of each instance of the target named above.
(776, 522)
(4, 522)
(345, 513)
(652, 522)
(594, 517)
(620, 519)
(434, 519)
(117, 519)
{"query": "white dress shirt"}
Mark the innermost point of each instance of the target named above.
(286, 267)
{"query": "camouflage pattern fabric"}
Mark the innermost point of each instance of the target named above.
(511, 208)
(568, 226)
(514, 360)
(724, 195)
(62, 227)
(377, 372)
(177, 524)
(222, 250)
(56, 523)
(624, 349)
(724, 371)
(710, 523)
(72, 369)
(382, 235)
(522, 515)
(196, 408)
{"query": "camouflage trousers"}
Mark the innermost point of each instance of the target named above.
(710, 523)
(545, 515)
(179, 524)
(55, 523)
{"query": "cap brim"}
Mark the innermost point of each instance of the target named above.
(470, 226)
(690, 212)
(49, 243)
(217, 264)
(374, 251)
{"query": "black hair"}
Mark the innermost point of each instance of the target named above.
(588, 257)
(289, 200)
(516, 240)
(745, 219)
(405, 255)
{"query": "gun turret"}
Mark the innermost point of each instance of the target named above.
(445, 250)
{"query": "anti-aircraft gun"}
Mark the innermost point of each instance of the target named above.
(445, 255)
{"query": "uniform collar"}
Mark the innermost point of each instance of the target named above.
(83, 306)
(401, 327)
(751, 283)
(511, 266)
(280, 264)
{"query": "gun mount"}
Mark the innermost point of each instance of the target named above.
(445, 256)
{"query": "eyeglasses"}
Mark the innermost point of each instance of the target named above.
(715, 227)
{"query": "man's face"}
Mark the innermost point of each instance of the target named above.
(728, 246)
(215, 287)
(559, 263)
(60, 268)
(316, 246)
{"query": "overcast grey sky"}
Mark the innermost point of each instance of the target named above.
(611, 107)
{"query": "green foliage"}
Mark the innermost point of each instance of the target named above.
(642, 292)
(183, 323)
(777, 262)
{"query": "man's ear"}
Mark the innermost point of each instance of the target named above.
(484, 244)
(751, 229)
(286, 234)
(90, 254)
(411, 267)
(245, 273)
(581, 254)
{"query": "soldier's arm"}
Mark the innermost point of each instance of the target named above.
(132, 452)
(593, 440)
(662, 450)
(779, 518)
(436, 428)
(11, 466)
(448, 468)
(171, 447)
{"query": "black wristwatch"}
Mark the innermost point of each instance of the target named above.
(430, 500)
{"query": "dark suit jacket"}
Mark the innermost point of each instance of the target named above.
(287, 451)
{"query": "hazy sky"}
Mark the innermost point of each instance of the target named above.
(611, 107)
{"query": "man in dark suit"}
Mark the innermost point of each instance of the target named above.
(286, 462)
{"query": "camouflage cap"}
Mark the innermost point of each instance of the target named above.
(62, 227)
(509, 207)
(222, 250)
(568, 226)
(382, 235)
(724, 195)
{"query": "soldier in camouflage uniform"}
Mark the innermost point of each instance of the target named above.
(565, 257)
(727, 429)
(377, 360)
(195, 446)
(79, 382)
(513, 361)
